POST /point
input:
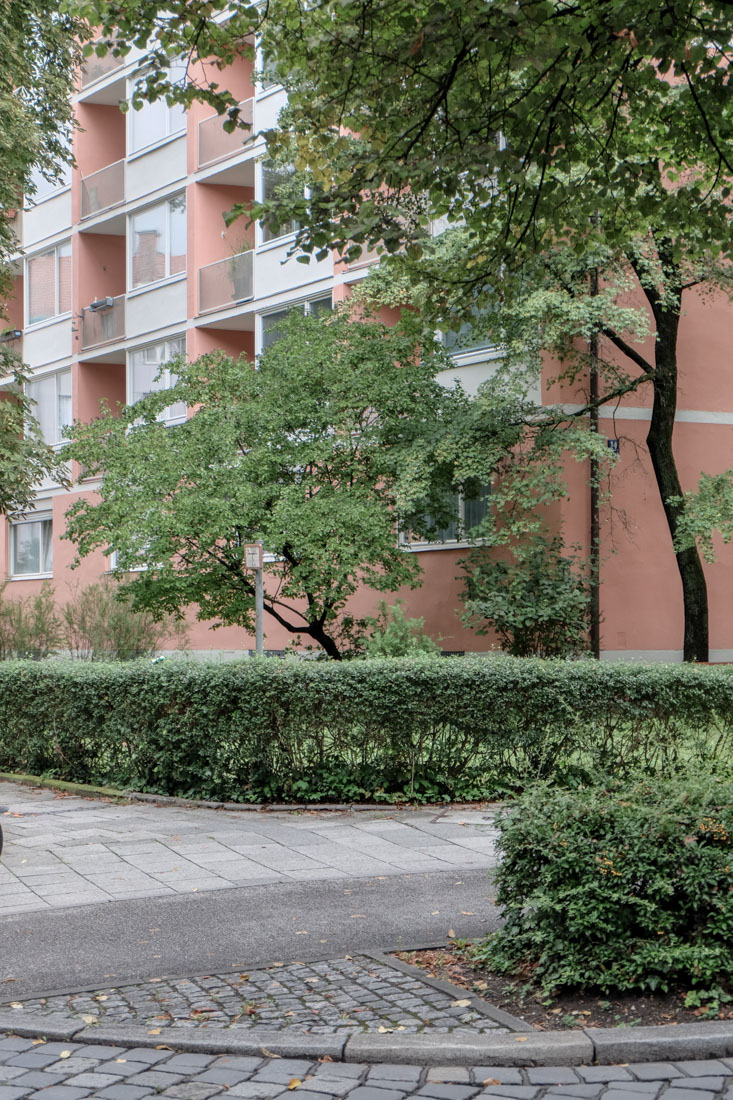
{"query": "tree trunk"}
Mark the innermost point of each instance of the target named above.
(318, 634)
(659, 440)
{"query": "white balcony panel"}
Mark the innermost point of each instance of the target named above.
(48, 343)
(160, 167)
(102, 190)
(156, 308)
(274, 276)
(105, 325)
(50, 218)
(268, 109)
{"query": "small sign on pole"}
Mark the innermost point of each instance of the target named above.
(253, 552)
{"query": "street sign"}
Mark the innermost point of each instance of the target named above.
(613, 445)
(253, 555)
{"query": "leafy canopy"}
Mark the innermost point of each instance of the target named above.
(319, 452)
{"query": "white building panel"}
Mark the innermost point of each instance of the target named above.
(156, 308)
(276, 274)
(48, 343)
(50, 218)
(162, 166)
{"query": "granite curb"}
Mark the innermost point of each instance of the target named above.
(592, 1046)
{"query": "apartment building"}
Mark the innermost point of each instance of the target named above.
(128, 261)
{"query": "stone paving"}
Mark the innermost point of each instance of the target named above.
(64, 851)
(342, 996)
(71, 1071)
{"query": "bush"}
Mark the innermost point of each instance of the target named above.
(429, 730)
(29, 627)
(394, 635)
(99, 622)
(618, 887)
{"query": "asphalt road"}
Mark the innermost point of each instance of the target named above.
(223, 930)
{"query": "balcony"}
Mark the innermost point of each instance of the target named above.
(103, 322)
(95, 67)
(215, 144)
(103, 189)
(226, 282)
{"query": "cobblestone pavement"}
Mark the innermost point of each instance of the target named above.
(342, 996)
(64, 851)
(70, 1071)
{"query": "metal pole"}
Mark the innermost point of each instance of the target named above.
(260, 607)
(594, 556)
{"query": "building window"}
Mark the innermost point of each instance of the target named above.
(158, 242)
(52, 396)
(278, 183)
(147, 374)
(49, 283)
(270, 321)
(31, 547)
(155, 122)
(469, 337)
(469, 510)
(45, 187)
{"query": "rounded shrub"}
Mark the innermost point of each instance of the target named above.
(618, 887)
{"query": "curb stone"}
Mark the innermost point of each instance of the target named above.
(599, 1046)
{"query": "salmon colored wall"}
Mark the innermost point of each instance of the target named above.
(199, 341)
(93, 383)
(13, 308)
(237, 78)
(209, 238)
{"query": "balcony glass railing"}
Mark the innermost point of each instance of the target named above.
(226, 282)
(95, 67)
(214, 141)
(103, 322)
(103, 189)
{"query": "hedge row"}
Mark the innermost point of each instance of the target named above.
(428, 729)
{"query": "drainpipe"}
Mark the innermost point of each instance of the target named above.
(594, 551)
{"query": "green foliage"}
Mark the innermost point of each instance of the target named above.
(537, 601)
(618, 887)
(99, 624)
(319, 453)
(392, 634)
(707, 510)
(385, 729)
(30, 626)
(25, 459)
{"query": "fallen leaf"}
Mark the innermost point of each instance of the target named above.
(120, 1059)
(468, 913)
(435, 912)
(451, 934)
(38, 1042)
(311, 980)
(101, 997)
(325, 1058)
(9, 980)
(268, 1053)
(153, 1031)
(65, 1054)
(301, 932)
(89, 1019)
(460, 1004)
(384, 1030)
(162, 1046)
(244, 977)
(358, 916)
(16, 1004)
(294, 1082)
(481, 985)
(276, 964)
(520, 1038)
(491, 1081)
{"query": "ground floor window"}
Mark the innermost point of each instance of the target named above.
(31, 546)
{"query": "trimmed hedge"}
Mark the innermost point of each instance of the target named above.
(619, 888)
(427, 729)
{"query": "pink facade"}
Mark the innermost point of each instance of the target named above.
(151, 255)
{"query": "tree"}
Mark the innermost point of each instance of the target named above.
(320, 451)
(40, 51)
(540, 126)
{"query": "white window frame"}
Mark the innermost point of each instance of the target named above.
(173, 113)
(56, 376)
(57, 315)
(261, 241)
(40, 517)
(459, 542)
(164, 416)
(306, 306)
(131, 289)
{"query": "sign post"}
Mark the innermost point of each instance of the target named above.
(253, 560)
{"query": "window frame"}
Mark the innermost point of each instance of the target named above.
(460, 541)
(305, 304)
(167, 204)
(40, 517)
(262, 240)
(57, 314)
(56, 376)
(164, 416)
(171, 133)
